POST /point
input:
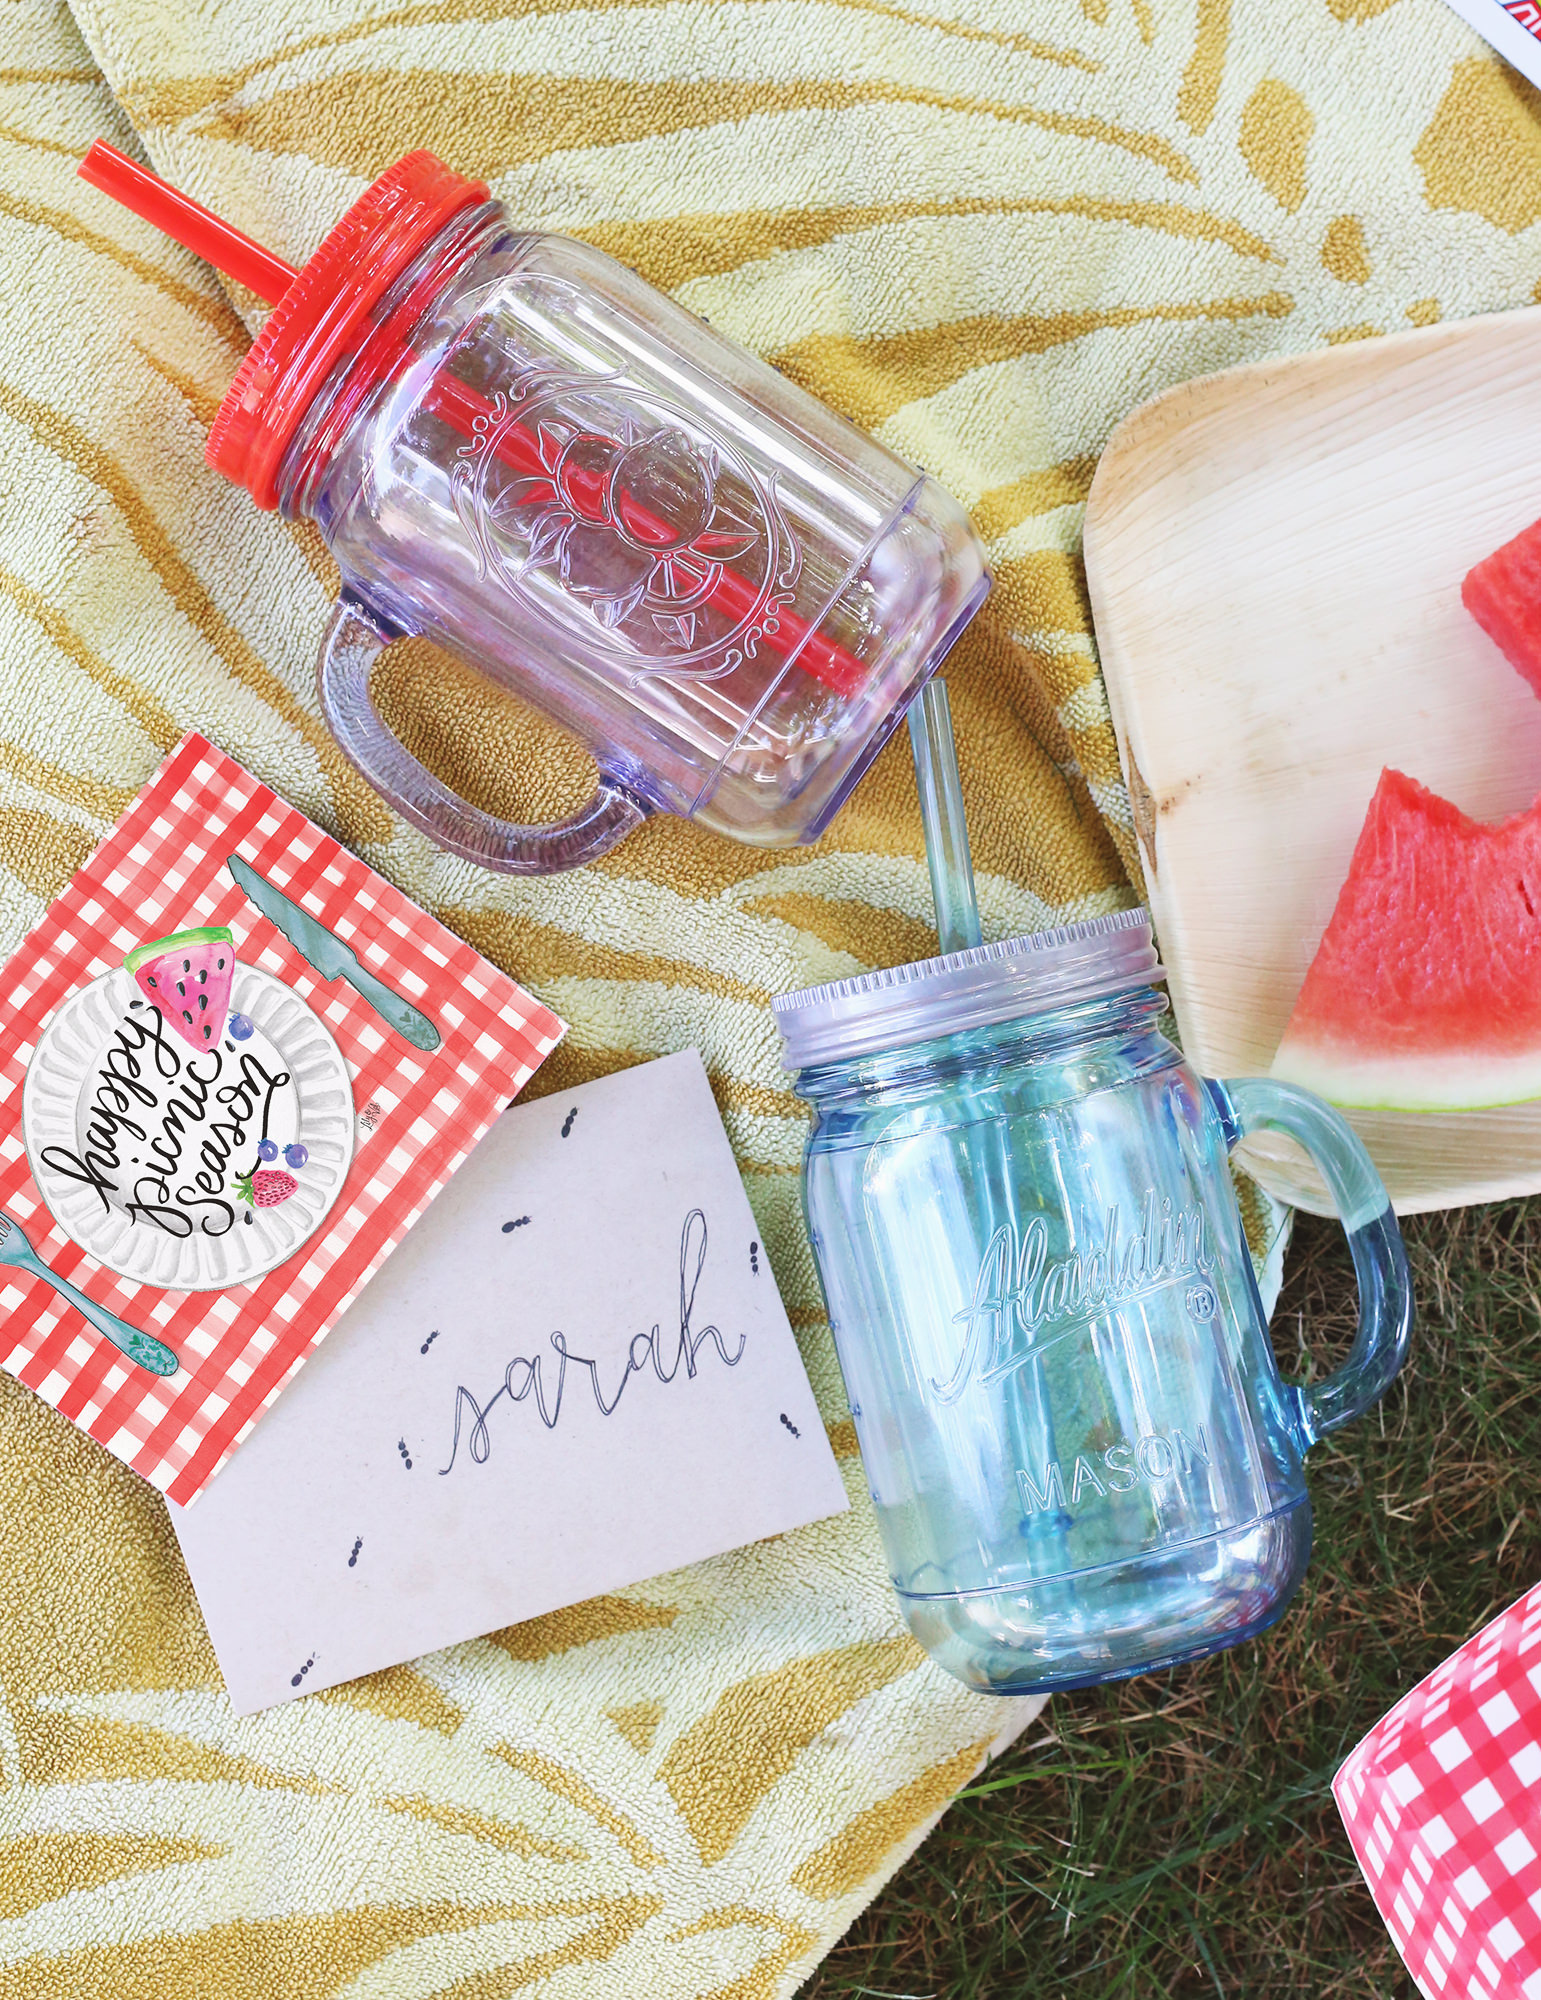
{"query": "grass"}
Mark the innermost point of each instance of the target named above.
(1176, 1835)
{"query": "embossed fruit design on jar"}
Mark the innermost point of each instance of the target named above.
(519, 450)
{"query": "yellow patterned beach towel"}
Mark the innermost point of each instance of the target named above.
(985, 232)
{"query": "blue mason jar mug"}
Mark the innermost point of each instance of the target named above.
(1084, 1460)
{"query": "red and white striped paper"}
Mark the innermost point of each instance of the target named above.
(161, 870)
(1442, 1801)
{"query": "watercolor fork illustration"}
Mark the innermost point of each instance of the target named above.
(141, 1348)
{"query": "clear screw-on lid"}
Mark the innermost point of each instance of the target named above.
(967, 989)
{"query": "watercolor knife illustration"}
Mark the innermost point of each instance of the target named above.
(324, 950)
(141, 1348)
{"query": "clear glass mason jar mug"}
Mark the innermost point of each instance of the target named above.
(518, 449)
(1084, 1460)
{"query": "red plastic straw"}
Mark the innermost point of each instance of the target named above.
(187, 222)
(235, 253)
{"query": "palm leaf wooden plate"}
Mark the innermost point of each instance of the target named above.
(1274, 557)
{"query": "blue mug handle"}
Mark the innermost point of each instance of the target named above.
(1258, 1103)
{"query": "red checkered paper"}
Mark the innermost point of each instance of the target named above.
(1442, 1801)
(412, 1120)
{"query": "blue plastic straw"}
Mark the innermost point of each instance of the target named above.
(941, 814)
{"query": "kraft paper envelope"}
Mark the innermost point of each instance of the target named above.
(574, 1374)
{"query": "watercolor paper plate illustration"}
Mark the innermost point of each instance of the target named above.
(187, 1118)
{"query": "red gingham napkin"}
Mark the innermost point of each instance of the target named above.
(159, 871)
(1442, 1801)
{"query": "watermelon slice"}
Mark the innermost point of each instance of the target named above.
(1503, 594)
(188, 977)
(1425, 992)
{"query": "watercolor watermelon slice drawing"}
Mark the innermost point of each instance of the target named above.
(187, 976)
(1425, 993)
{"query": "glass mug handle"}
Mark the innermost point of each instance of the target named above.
(1257, 1103)
(349, 649)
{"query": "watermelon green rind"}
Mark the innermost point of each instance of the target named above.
(1425, 993)
(1363, 1084)
(178, 941)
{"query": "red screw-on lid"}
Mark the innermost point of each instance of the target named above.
(325, 314)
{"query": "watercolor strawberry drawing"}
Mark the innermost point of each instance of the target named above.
(266, 1187)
